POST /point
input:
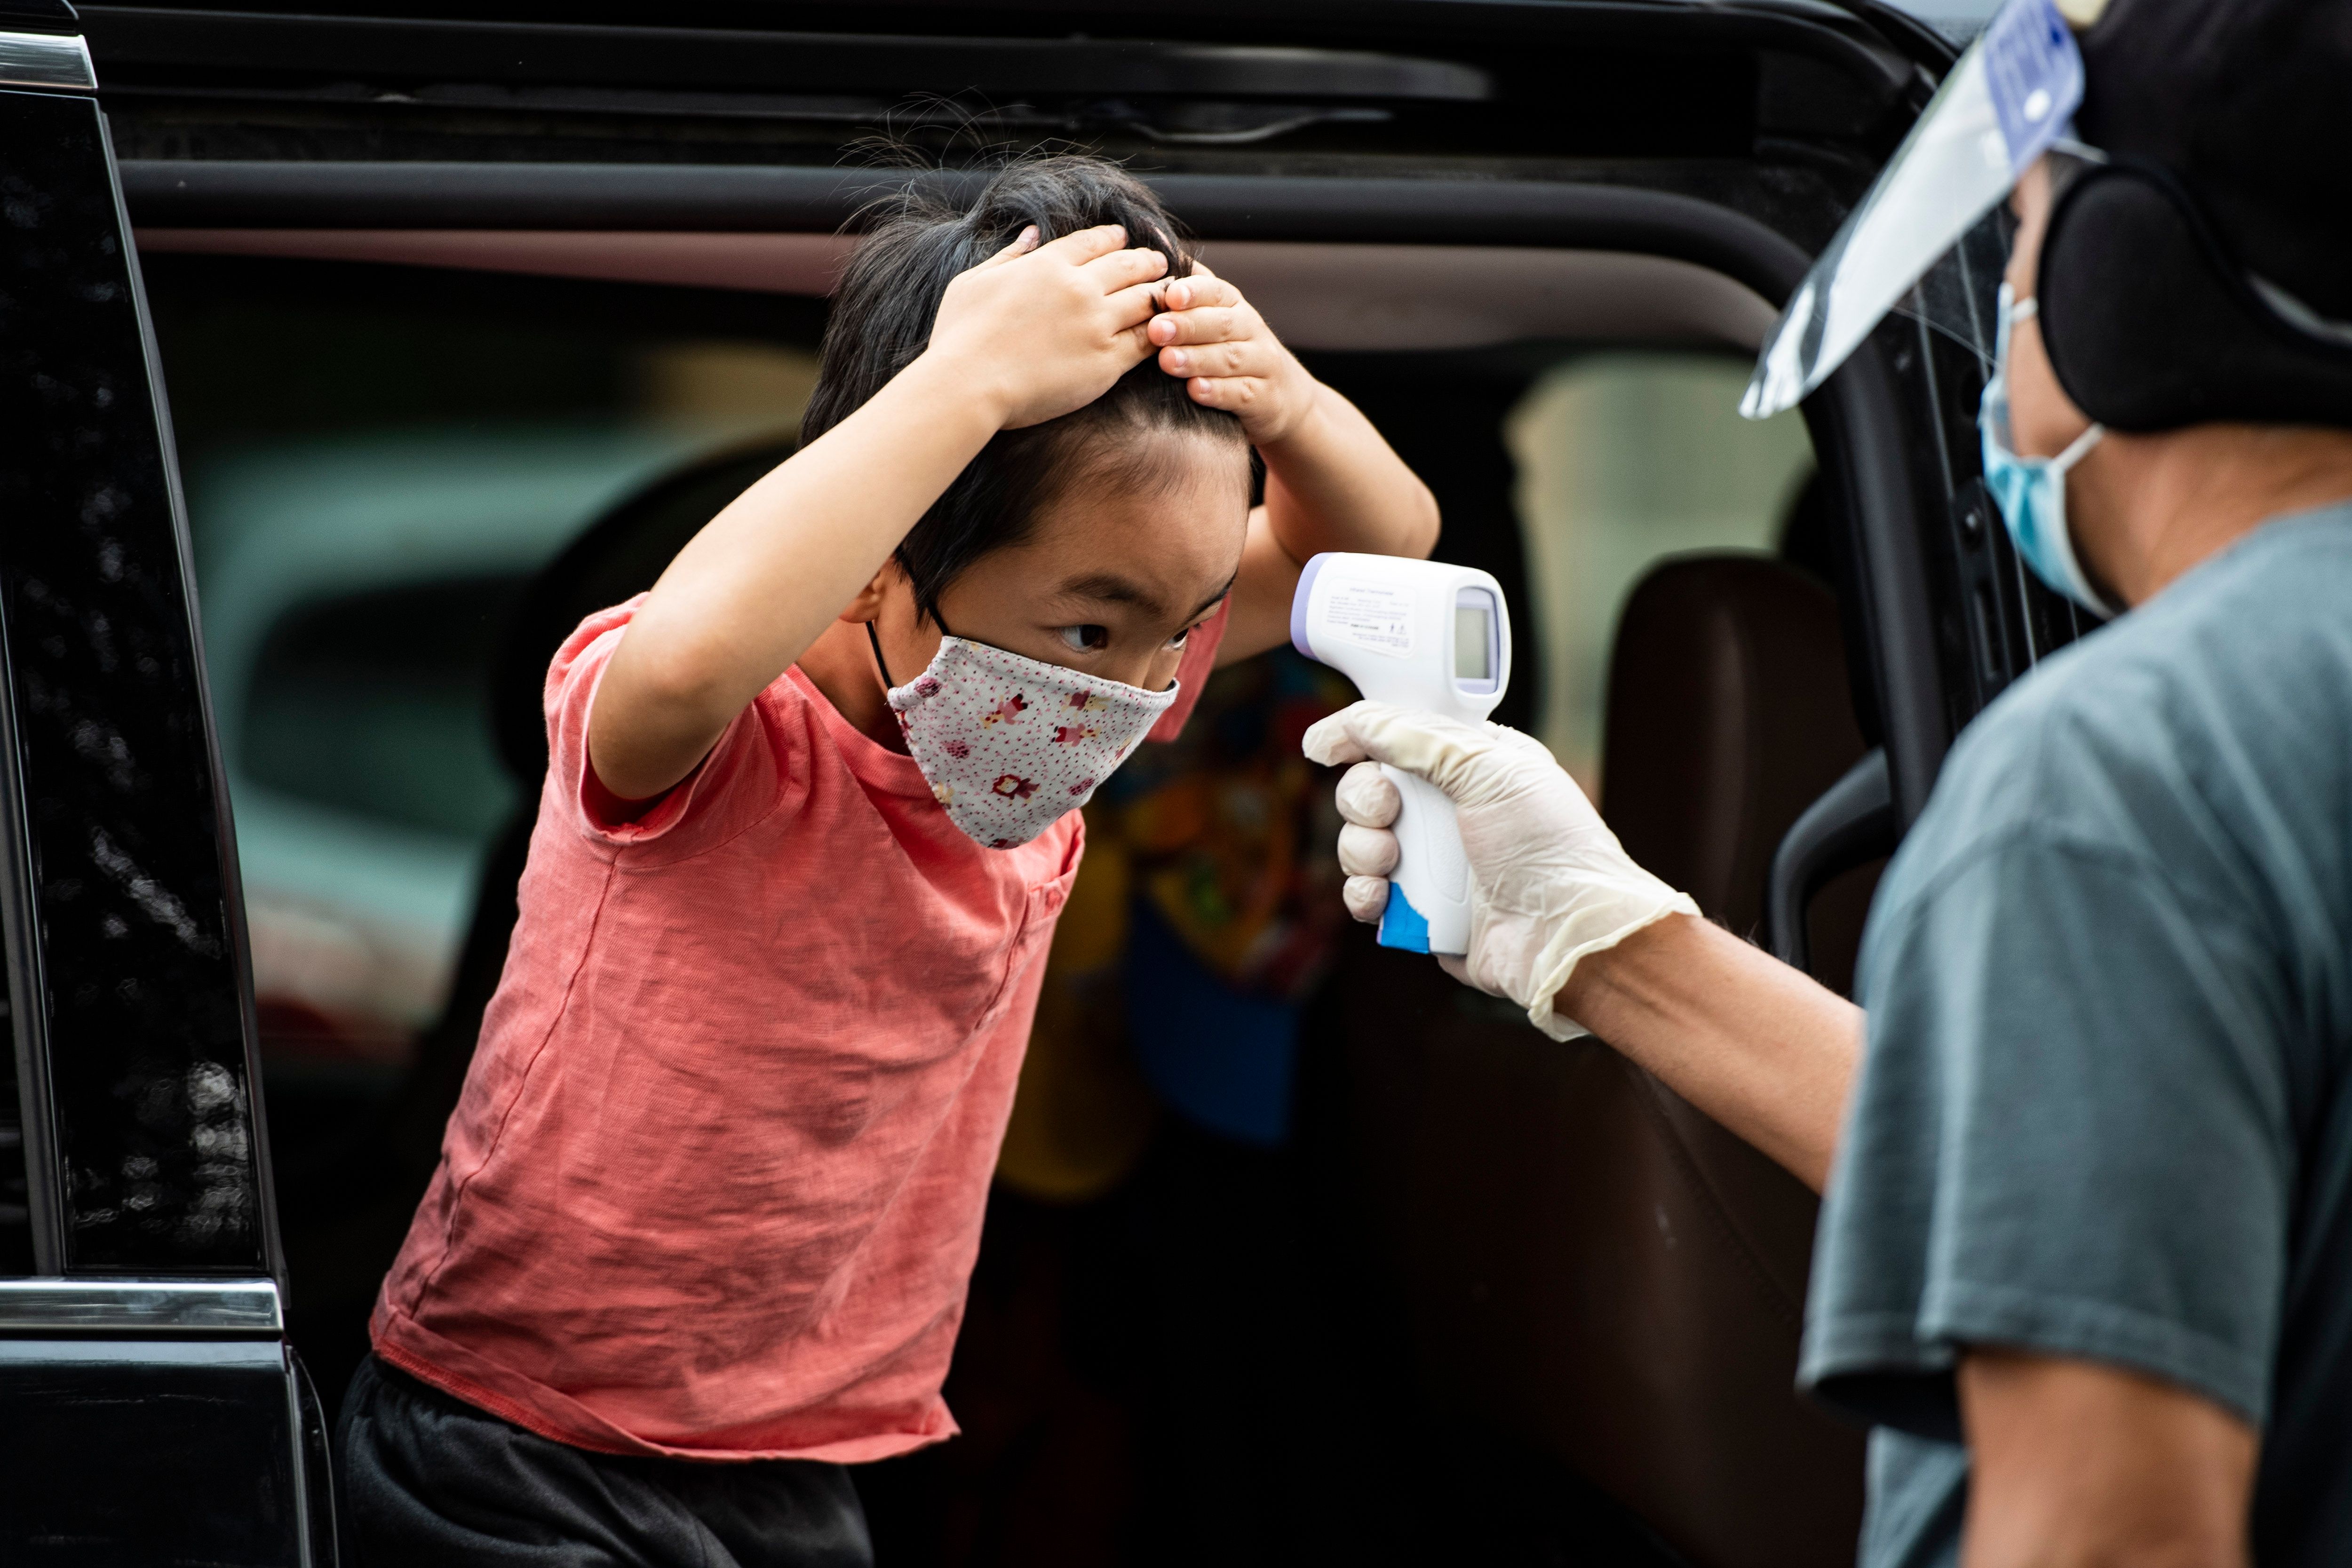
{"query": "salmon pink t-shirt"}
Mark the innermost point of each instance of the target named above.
(715, 1184)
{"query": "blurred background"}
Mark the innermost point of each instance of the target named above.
(1177, 1338)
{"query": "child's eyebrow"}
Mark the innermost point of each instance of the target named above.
(1211, 603)
(1110, 588)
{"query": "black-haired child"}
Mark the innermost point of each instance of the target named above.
(714, 1186)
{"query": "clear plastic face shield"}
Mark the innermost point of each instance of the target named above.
(1931, 238)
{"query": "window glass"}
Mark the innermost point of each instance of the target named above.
(377, 462)
(1624, 458)
(354, 586)
(15, 1217)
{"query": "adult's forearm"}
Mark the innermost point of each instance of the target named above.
(1757, 1045)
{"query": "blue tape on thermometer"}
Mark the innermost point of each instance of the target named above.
(1427, 637)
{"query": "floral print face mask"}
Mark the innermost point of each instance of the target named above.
(1009, 743)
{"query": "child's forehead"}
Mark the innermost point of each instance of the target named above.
(1159, 562)
(1151, 501)
(1128, 440)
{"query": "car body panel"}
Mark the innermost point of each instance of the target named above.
(124, 934)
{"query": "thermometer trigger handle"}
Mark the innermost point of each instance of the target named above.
(1429, 895)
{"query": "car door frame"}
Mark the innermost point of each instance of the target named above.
(157, 1411)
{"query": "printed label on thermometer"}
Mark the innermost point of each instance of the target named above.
(1377, 615)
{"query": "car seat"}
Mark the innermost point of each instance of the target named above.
(1593, 1268)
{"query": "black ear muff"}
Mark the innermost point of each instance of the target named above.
(2151, 326)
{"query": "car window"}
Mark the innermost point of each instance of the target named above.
(15, 1214)
(376, 463)
(1623, 459)
(1959, 20)
(379, 458)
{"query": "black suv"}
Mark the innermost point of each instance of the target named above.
(468, 321)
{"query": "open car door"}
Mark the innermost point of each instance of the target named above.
(155, 1414)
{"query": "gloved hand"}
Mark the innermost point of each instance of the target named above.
(1549, 881)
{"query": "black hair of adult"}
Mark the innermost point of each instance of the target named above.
(881, 321)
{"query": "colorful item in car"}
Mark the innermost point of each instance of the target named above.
(1206, 912)
(1229, 832)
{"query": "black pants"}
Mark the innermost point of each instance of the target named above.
(428, 1479)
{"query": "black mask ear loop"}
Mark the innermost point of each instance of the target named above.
(874, 637)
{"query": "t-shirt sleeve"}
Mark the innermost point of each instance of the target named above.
(2071, 1135)
(745, 776)
(1200, 661)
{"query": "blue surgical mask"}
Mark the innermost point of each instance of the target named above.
(2031, 491)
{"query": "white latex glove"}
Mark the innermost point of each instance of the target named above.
(1549, 881)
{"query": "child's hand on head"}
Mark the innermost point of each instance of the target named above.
(1215, 339)
(1046, 329)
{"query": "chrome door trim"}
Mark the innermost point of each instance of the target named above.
(140, 1307)
(46, 60)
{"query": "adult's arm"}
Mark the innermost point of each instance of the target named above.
(1564, 923)
(2073, 1464)
(1759, 1047)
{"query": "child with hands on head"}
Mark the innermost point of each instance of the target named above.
(714, 1188)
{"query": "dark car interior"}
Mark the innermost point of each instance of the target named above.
(468, 325)
(1486, 1278)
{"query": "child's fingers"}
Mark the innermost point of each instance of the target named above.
(1138, 344)
(1200, 289)
(1251, 356)
(1086, 244)
(1135, 307)
(1203, 325)
(1022, 243)
(1125, 268)
(1234, 393)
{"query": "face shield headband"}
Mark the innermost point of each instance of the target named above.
(2005, 104)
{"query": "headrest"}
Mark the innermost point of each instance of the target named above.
(619, 555)
(1728, 714)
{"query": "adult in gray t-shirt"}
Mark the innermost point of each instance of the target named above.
(2093, 1187)
(2109, 986)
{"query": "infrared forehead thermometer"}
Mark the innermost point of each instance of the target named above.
(1427, 636)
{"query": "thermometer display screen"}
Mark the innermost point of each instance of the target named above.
(1474, 641)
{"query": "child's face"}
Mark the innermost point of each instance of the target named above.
(1111, 581)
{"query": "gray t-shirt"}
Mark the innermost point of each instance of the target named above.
(2101, 1115)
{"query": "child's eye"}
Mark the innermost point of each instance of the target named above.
(1178, 640)
(1086, 638)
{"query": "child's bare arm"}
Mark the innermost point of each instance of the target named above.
(1332, 482)
(1026, 336)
